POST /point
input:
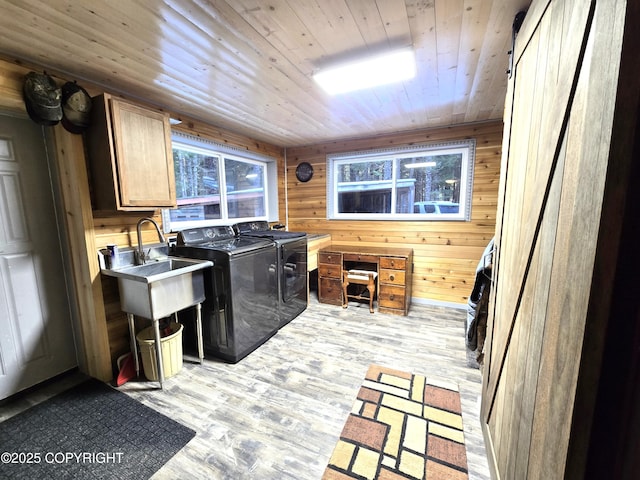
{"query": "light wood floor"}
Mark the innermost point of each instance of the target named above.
(277, 414)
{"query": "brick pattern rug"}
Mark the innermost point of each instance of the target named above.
(401, 426)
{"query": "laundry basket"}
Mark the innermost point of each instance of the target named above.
(171, 352)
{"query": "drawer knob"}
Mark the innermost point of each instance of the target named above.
(392, 263)
(391, 297)
(392, 277)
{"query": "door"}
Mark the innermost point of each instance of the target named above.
(293, 279)
(294, 271)
(36, 339)
(558, 125)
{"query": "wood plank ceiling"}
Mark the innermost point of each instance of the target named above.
(246, 65)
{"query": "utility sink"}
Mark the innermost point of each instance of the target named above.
(159, 288)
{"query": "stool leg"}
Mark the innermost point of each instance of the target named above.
(372, 288)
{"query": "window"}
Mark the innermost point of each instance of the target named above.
(418, 182)
(219, 185)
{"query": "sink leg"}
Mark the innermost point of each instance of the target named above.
(156, 332)
(134, 344)
(199, 332)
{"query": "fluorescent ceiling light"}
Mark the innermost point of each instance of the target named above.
(420, 165)
(378, 70)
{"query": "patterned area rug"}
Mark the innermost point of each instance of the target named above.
(401, 426)
(91, 431)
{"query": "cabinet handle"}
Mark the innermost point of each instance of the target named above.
(392, 277)
(392, 264)
(391, 297)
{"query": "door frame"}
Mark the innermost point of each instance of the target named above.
(53, 355)
(67, 155)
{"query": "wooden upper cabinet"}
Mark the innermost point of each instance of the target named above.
(130, 156)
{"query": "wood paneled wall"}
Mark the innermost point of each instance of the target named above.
(445, 253)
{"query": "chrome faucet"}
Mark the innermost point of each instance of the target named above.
(141, 256)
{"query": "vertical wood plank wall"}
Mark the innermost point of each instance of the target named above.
(445, 253)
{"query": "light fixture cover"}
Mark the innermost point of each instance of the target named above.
(371, 72)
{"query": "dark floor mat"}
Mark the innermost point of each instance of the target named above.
(91, 431)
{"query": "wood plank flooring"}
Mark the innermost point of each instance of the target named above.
(277, 414)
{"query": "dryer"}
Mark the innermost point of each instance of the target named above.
(291, 266)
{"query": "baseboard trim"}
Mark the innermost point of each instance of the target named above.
(438, 303)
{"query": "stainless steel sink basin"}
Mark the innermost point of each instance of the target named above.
(159, 288)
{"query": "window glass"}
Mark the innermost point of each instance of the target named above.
(215, 187)
(423, 182)
(364, 187)
(197, 184)
(245, 188)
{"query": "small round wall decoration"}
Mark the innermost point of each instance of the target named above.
(304, 171)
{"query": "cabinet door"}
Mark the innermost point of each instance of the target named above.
(142, 142)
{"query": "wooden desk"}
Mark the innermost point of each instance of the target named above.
(394, 267)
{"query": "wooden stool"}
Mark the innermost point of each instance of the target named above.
(358, 277)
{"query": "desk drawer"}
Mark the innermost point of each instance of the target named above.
(357, 257)
(334, 258)
(328, 270)
(330, 291)
(395, 277)
(392, 262)
(391, 297)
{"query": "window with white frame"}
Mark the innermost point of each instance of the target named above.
(417, 182)
(219, 185)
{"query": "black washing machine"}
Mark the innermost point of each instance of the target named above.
(291, 266)
(240, 311)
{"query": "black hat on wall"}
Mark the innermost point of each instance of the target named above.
(76, 107)
(42, 98)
